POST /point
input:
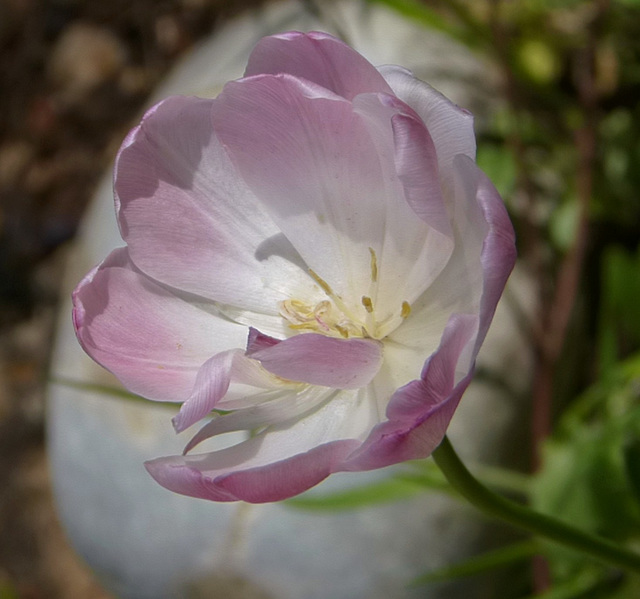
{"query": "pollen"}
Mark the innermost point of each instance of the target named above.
(323, 318)
(339, 316)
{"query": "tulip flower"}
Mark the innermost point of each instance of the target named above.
(312, 262)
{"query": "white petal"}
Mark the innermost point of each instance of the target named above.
(191, 222)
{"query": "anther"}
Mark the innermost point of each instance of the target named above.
(323, 284)
(406, 310)
(367, 303)
(342, 331)
(374, 265)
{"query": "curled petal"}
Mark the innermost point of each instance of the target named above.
(450, 126)
(190, 475)
(276, 406)
(277, 463)
(321, 360)
(212, 383)
(417, 167)
(499, 248)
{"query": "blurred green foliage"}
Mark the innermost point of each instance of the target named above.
(591, 476)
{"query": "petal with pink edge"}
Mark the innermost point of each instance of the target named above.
(413, 250)
(276, 406)
(419, 413)
(149, 336)
(499, 249)
(450, 126)
(278, 463)
(317, 57)
(272, 482)
(417, 167)
(212, 383)
(482, 260)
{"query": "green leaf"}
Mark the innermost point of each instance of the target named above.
(619, 315)
(480, 564)
(576, 587)
(116, 392)
(500, 479)
(385, 491)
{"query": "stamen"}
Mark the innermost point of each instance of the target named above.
(342, 331)
(374, 266)
(367, 303)
(406, 310)
(323, 284)
(337, 300)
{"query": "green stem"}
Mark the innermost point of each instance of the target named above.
(522, 517)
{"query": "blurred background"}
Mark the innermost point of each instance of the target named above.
(562, 144)
(73, 77)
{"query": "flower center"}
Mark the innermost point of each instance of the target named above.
(324, 318)
(332, 317)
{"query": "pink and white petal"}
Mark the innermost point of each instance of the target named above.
(149, 336)
(444, 369)
(321, 360)
(311, 161)
(417, 167)
(396, 443)
(272, 324)
(211, 384)
(499, 249)
(176, 191)
(251, 385)
(277, 463)
(414, 250)
(213, 381)
(271, 482)
(419, 413)
(317, 57)
(402, 365)
(450, 126)
(482, 260)
(277, 406)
